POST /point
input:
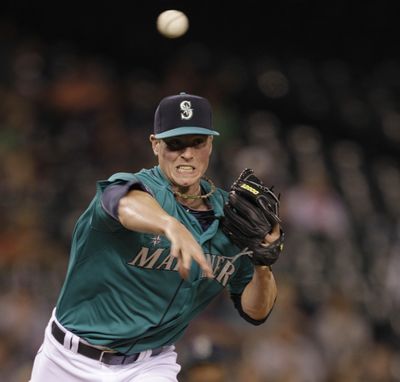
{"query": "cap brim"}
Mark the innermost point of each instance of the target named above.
(186, 131)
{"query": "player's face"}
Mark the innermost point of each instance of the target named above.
(183, 159)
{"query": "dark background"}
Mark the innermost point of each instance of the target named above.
(356, 30)
(123, 35)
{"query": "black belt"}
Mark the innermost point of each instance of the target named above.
(106, 356)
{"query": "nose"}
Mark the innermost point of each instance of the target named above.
(187, 153)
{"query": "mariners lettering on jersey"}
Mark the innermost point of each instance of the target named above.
(186, 110)
(223, 267)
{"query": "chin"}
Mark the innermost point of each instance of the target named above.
(186, 180)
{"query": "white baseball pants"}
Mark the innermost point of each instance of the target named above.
(57, 363)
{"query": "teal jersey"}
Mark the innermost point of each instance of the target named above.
(122, 288)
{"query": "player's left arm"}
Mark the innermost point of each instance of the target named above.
(252, 222)
(260, 293)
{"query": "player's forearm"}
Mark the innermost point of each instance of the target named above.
(259, 295)
(139, 211)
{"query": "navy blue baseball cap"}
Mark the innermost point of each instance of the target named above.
(183, 114)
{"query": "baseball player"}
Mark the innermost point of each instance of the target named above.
(152, 250)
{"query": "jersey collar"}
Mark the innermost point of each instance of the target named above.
(218, 208)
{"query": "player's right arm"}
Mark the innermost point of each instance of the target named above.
(139, 211)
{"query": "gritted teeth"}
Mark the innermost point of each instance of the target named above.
(185, 167)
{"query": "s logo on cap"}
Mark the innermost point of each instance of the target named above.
(186, 110)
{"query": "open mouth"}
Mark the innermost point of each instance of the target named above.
(185, 169)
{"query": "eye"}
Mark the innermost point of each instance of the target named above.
(174, 144)
(199, 141)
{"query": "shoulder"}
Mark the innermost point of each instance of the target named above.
(218, 200)
(118, 178)
(150, 179)
(221, 194)
(146, 176)
(121, 176)
(153, 179)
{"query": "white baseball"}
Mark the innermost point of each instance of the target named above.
(172, 23)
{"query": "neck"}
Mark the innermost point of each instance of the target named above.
(190, 199)
(194, 204)
(190, 193)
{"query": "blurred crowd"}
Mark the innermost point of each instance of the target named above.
(325, 133)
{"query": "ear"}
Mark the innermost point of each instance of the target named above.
(155, 143)
(211, 143)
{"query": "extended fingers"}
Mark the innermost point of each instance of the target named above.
(185, 260)
(204, 265)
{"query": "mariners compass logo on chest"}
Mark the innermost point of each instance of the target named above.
(155, 240)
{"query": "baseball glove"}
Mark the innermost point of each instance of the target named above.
(251, 213)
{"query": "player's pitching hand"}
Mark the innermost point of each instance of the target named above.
(185, 248)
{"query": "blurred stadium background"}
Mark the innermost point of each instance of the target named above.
(305, 92)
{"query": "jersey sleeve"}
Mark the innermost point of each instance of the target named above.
(115, 191)
(237, 302)
(109, 193)
(242, 276)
